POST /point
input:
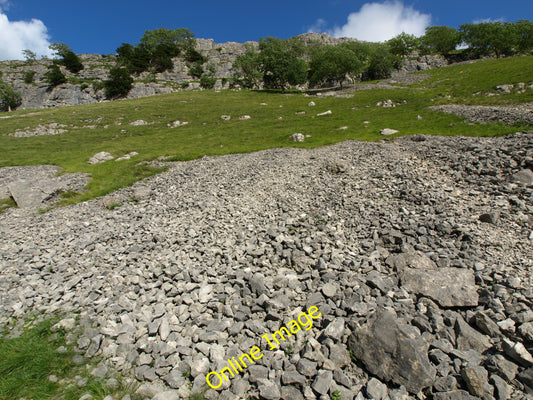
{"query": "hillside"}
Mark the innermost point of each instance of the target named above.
(85, 87)
(193, 230)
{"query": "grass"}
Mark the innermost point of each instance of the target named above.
(30, 359)
(7, 203)
(470, 83)
(208, 134)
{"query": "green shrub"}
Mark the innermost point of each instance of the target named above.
(72, 62)
(29, 77)
(69, 59)
(382, 63)
(195, 70)
(119, 83)
(9, 99)
(193, 56)
(98, 86)
(84, 86)
(208, 81)
(54, 76)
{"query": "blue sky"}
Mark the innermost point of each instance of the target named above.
(101, 26)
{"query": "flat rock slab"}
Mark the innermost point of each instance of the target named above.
(450, 287)
(36, 186)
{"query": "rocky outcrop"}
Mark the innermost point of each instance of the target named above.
(85, 87)
(38, 95)
(424, 63)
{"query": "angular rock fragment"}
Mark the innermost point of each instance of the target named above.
(392, 355)
(450, 287)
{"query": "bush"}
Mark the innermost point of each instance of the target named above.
(69, 59)
(195, 70)
(489, 38)
(119, 83)
(72, 62)
(98, 86)
(54, 76)
(382, 63)
(9, 99)
(208, 81)
(29, 77)
(192, 56)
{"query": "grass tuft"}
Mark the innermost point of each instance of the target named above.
(30, 358)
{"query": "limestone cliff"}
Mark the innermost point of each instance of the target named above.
(86, 86)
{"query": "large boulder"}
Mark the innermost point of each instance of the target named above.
(394, 352)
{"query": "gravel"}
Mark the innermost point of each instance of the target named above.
(522, 113)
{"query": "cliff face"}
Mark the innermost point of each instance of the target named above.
(85, 87)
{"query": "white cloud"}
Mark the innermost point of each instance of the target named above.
(318, 27)
(485, 20)
(20, 35)
(378, 22)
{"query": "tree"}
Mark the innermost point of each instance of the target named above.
(29, 56)
(179, 38)
(155, 51)
(59, 48)
(333, 63)
(246, 68)
(403, 44)
(72, 62)
(119, 83)
(135, 58)
(524, 35)
(9, 99)
(489, 37)
(280, 64)
(54, 76)
(382, 63)
(69, 59)
(440, 39)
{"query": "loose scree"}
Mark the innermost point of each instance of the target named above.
(304, 321)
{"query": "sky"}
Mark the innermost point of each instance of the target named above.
(101, 26)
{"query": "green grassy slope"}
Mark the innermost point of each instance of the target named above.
(207, 134)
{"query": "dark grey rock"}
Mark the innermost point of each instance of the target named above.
(307, 367)
(517, 352)
(503, 390)
(390, 354)
(526, 377)
(269, 391)
(291, 393)
(293, 377)
(322, 382)
(454, 395)
(469, 338)
(476, 379)
(486, 325)
(502, 367)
